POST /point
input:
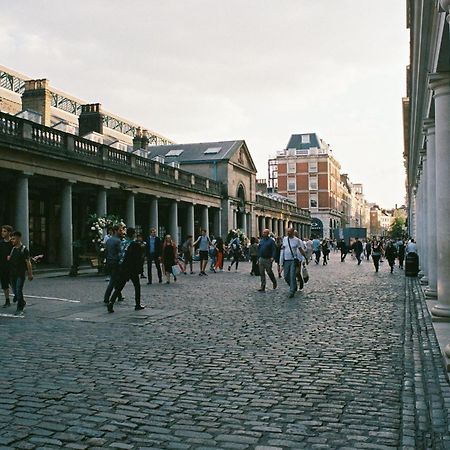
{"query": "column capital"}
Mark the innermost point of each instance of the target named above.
(439, 83)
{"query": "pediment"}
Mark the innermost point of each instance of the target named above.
(243, 158)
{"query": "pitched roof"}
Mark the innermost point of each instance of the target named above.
(186, 153)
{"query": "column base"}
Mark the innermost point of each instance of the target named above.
(441, 311)
(424, 280)
(447, 358)
(430, 293)
(421, 274)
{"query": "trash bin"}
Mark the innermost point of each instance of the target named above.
(411, 265)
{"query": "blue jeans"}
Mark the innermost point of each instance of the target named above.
(290, 275)
(17, 288)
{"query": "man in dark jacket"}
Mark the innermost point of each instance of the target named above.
(153, 253)
(130, 264)
(266, 253)
(358, 248)
(112, 248)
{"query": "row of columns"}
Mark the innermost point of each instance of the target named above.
(432, 200)
(66, 222)
(279, 226)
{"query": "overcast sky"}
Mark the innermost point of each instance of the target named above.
(210, 70)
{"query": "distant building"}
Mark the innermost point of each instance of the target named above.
(307, 172)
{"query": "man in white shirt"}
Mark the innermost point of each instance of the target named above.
(411, 247)
(293, 252)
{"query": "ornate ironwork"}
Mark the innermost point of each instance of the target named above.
(12, 82)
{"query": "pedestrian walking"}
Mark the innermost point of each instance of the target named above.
(112, 250)
(325, 251)
(212, 255)
(143, 245)
(316, 249)
(291, 256)
(401, 252)
(357, 247)
(278, 245)
(235, 248)
(253, 252)
(391, 254)
(188, 252)
(130, 265)
(5, 250)
(203, 243)
(220, 254)
(309, 249)
(344, 250)
(19, 264)
(368, 250)
(153, 251)
(169, 257)
(377, 251)
(266, 255)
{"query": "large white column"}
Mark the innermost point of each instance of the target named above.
(190, 220)
(205, 219)
(131, 218)
(173, 225)
(102, 202)
(429, 129)
(66, 224)
(441, 86)
(425, 235)
(22, 216)
(154, 216)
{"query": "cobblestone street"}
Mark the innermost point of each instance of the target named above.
(212, 363)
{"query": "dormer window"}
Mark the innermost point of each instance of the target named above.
(174, 153)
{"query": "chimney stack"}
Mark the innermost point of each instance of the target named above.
(37, 97)
(90, 119)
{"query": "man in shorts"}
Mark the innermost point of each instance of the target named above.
(203, 243)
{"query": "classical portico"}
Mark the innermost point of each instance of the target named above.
(427, 149)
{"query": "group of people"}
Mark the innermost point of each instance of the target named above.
(15, 266)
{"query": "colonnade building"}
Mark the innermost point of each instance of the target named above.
(426, 110)
(62, 159)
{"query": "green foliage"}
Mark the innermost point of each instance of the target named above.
(397, 228)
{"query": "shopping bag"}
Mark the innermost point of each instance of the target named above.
(176, 270)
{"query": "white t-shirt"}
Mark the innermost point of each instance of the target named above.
(296, 245)
(411, 247)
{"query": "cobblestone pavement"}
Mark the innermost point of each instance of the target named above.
(213, 364)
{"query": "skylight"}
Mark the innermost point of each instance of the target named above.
(212, 150)
(174, 152)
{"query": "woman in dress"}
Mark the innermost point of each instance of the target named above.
(169, 257)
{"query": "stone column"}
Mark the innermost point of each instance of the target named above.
(205, 219)
(131, 218)
(441, 86)
(190, 220)
(66, 224)
(425, 235)
(244, 223)
(154, 216)
(275, 227)
(102, 202)
(280, 227)
(218, 223)
(173, 224)
(429, 129)
(22, 216)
